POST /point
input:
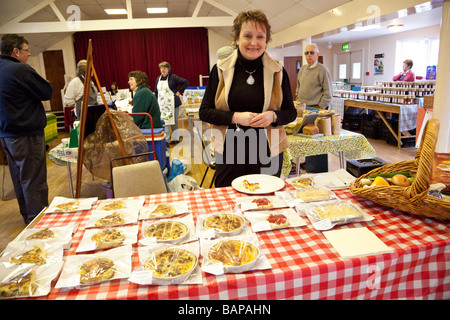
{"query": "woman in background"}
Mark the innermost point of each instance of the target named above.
(143, 101)
(406, 75)
(168, 89)
(114, 88)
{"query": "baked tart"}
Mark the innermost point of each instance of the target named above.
(278, 221)
(171, 263)
(224, 222)
(233, 253)
(166, 230)
(263, 203)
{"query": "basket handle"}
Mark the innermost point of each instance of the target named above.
(424, 158)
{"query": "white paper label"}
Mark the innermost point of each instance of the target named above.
(215, 268)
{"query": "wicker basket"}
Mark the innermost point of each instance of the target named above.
(413, 199)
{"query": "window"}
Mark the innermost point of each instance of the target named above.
(343, 71)
(423, 52)
(356, 70)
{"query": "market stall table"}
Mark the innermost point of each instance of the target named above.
(348, 144)
(304, 265)
(407, 114)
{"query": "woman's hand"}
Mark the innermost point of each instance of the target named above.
(243, 118)
(262, 120)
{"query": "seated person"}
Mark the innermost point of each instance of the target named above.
(143, 101)
(114, 88)
(406, 75)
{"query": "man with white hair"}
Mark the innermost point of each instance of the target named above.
(314, 89)
(314, 84)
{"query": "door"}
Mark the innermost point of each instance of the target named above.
(292, 66)
(349, 67)
(54, 71)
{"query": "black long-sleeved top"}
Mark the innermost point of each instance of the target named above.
(21, 91)
(243, 97)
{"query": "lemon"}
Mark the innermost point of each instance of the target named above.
(379, 181)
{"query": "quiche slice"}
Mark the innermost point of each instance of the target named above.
(118, 204)
(42, 234)
(108, 238)
(21, 284)
(111, 219)
(33, 256)
(96, 270)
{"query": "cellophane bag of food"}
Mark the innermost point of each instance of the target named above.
(102, 145)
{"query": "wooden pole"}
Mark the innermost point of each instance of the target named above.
(84, 110)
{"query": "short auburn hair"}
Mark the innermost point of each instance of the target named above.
(140, 76)
(256, 16)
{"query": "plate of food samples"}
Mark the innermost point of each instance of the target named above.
(257, 184)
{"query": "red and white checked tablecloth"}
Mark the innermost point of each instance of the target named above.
(304, 264)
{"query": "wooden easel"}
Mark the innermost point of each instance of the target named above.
(84, 110)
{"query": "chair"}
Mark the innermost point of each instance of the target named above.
(137, 179)
(207, 157)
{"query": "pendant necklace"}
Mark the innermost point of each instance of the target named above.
(250, 80)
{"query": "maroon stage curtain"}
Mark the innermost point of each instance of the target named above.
(116, 53)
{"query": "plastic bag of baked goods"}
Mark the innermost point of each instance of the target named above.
(104, 238)
(233, 254)
(62, 234)
(86, 269)
(220, 224)
(326, 215)
(31, 253)
(172, 231)
(27, 280)
(165, 264)
(102, 145)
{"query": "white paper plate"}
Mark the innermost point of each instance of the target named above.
(267, 184)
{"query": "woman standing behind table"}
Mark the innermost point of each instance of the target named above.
(168, 89)
(143, 101)
(248, 100)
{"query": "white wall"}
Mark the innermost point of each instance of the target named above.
(215, 42)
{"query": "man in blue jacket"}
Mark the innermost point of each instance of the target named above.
(22, 123)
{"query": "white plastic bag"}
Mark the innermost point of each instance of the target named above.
(182, 182)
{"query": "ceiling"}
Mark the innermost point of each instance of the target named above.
(40, 21)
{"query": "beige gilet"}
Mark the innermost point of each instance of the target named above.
(273, 96)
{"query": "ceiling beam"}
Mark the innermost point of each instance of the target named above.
(116, 24)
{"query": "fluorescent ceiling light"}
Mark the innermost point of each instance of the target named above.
(157, 10)
(116, 11)
(359, 28)
(395, 28)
